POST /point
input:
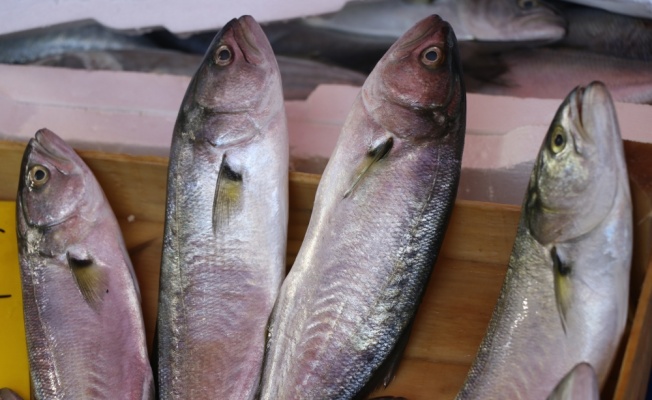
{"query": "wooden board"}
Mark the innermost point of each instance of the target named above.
(459, 299)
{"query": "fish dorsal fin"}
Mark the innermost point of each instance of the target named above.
(373, 156)
(91, 279)
(563, 285)
(228, 194)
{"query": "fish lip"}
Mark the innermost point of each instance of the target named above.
(251, 39)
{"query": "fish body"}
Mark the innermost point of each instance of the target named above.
(35, 44)
(226, 221)
(565, 295)
(503, 20)
(608, 33)
(549, 72)
(345, 309)
(83, 322)
(580, 383)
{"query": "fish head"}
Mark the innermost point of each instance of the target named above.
(515, 20)
(420, 76)
(576, 176)
(237, 68)
(54, 184)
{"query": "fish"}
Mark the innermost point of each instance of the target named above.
(8, 394)
(83, 321)
(34, 44)
(634, 8)
(226, 219)
(550, 72)
(480, 20)
(344, 313)
(607, 33)
(580, 383)
(565, 295)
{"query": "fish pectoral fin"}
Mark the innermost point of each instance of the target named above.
(372, 157)
(228, 194)
(91, 279)
(386, 371)
(563, 285)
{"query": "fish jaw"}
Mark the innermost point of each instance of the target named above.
(560, 201)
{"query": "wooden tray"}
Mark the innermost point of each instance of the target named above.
(462, 291)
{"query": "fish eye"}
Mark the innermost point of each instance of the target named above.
(38, 176)
(223, 55)
(558, 140)
(432, 56)
(527, 4)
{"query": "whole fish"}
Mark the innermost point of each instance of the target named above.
(548, 73)
(564, 298)
(579, 384)
(483, 20)
(226, 221)
(635, 8)
(344, 313)
(83, 321)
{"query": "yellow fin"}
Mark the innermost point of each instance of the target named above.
(228, 193)
(563, 285)
(91, 280)
(373, 156)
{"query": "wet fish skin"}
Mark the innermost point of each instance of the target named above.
(608, 33)
(635, 8)
(345, 309)
(579, 384)
(226, 221)
(83, 322)
(482, 20)
(565, 295)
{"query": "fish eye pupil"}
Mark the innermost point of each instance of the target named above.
(559, 140)
(431, 55)
(224, 55)
(39, 175)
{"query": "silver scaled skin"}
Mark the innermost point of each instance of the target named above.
(83, 320)
(226, 221)
(564, 298)
(344, 312)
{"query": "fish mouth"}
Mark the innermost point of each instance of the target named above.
(251, 39)
(53, 146)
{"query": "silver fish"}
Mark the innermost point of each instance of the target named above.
(83, 322)
(483, 20)
(564, 298)
(344, 313)
(580, 383)
(226, 221)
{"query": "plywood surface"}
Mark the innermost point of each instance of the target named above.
(459, 299)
